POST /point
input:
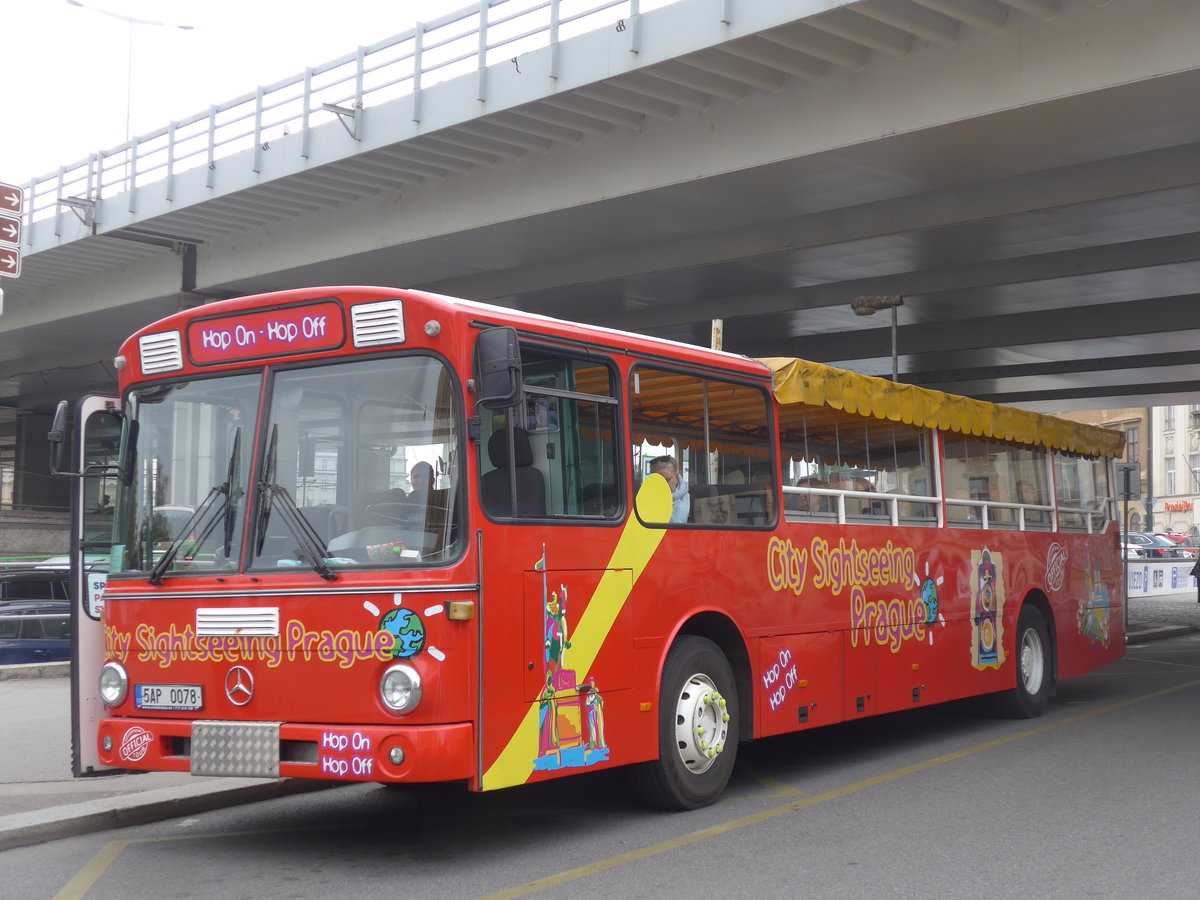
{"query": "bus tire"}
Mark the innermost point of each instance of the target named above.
(1034, 667)
(697, 729)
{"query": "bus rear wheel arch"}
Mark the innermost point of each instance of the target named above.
(698, 724)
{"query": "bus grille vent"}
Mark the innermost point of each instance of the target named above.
(161, 352)
(256, 622)
(378, 323)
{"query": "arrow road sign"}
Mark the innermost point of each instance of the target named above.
(10, 230)
(10, 262)
(11, 198)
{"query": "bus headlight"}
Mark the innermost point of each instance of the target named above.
(114, 684)
(400, 688)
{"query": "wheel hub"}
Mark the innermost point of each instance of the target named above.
(701, 723)
(1032, 661)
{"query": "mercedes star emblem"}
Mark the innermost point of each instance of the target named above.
(239, 685)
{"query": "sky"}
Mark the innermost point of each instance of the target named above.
(66, 67)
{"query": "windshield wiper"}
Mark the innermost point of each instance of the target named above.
(310, 544)
(230, 491)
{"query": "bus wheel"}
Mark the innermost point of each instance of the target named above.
(697, 728)
(1035, 667)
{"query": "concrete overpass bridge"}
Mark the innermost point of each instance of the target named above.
(1023, 172)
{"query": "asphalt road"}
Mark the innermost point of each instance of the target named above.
(1099, 798)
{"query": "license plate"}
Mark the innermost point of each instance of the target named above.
(168, 696)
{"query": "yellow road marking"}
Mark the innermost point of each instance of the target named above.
(1166, 662)
(775, 786)
(551, 881)
(77, 887)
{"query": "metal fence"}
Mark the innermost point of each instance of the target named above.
(458, 44)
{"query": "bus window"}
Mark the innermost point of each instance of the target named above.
(192, 473)
(711, 440)
(1083, 493)
(856, 469)
(1009, 482)
(561, 449)
(970, 477)
(347, 440)
(1022, 481)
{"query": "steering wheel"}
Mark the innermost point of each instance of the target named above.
(395, 513)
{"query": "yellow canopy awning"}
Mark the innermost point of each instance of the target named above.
(800, 381)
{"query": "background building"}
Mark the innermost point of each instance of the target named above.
(1176, 431)
(1137, 423)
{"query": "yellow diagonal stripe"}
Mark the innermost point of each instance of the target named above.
(635, 548)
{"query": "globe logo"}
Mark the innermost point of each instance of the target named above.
(408, 630)
(929, 596)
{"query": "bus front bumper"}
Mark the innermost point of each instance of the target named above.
(414, 753)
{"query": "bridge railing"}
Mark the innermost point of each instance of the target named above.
(458, 44)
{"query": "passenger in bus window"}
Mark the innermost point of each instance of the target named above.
(848, 481)
(869, 507)
(811, 502)
(421, 478)
(681, 501)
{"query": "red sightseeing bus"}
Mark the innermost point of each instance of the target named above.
(366, 534)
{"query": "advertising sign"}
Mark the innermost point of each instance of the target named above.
(267, 332)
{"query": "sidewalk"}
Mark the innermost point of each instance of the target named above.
(1155, 618)
(40, 801)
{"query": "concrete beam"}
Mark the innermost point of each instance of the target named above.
(979, 333)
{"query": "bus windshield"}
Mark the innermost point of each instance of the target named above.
(357, 468)
(191, 467)
(366, 452)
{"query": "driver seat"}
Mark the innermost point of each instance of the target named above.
(495, 486)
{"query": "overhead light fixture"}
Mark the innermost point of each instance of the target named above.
(868, 306)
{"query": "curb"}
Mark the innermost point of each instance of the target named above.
(35, 670)
(1158, 633)
(28, 828)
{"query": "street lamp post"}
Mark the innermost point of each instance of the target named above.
(131, 22)
(868, 306)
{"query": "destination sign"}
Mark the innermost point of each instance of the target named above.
(268, 332)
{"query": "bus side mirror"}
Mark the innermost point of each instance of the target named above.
(498, 364)
(57, 438)
(97, 431)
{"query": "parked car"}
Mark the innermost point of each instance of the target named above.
(30, 583)
(1185, 542)
(32, 632)
(1134, 551)
(1190, 542)
(1153, 546)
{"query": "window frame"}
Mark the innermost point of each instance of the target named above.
(756, 506)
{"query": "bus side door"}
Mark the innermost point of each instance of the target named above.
(97, 433)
